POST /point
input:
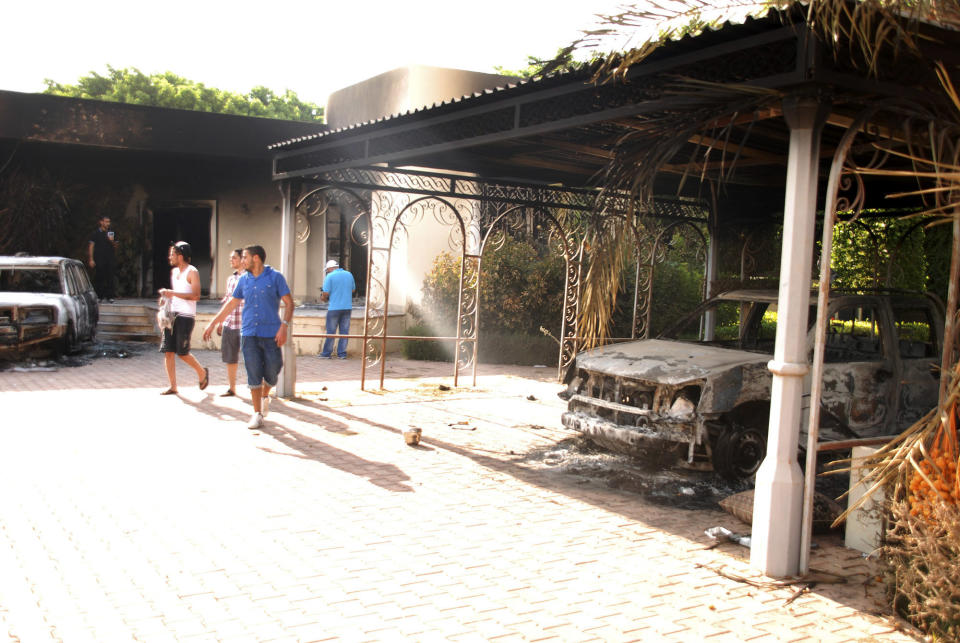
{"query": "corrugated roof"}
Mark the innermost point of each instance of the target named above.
(441, 106)
(522, 86)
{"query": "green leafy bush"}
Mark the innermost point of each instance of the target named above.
(426, 350)
(676, 291)
(521, 289)
(517, 348)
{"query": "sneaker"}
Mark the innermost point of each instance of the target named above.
(265, 406)
(341, 357)
(324, 356)
(256, 421)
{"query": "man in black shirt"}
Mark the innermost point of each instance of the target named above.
(101, 249)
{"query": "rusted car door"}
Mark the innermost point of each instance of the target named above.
(860, 371)
(74, 289)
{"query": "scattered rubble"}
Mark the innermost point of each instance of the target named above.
(676, 487)
(44, 362)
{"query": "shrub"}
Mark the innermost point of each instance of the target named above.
(427, 350)
(676, 291)
(517, 348)
(520, 290)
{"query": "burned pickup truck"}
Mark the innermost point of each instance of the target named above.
(701, 391)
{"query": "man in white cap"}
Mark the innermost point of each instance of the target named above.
(338, 289)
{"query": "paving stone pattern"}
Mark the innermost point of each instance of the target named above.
(128, 516)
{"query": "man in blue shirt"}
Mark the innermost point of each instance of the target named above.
(338, 289)
(262, 332)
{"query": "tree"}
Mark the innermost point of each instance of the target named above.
(858, 30)
(130, 85)
(563, 61)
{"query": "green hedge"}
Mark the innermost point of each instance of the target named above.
(495, 348)
(427, 350)
(521, 289)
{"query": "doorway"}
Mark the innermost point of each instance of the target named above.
(183, 221)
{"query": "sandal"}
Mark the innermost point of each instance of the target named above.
(227, 393)
(170, 391)
(206, 379)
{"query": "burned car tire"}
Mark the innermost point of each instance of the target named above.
(739, 451)
(71, 343)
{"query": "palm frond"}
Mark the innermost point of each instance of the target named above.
(701, 144)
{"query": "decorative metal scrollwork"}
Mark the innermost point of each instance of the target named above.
(653, 247)
(319, 203)
(480, 215)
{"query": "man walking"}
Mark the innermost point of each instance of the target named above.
(262, 332)
(338, 289)
(183, 295)
(101, 250)
(229, 330)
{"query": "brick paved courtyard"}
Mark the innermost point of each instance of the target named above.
(127, 516)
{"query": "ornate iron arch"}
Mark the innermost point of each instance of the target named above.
(564, 242)
(399, 224)
(651, 251)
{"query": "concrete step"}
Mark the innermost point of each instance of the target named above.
(106, 326)
(127, 322)
(128, 336)
(127, 318)
(130, 308)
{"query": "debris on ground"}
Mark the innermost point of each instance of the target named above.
(43, 361)
(443, 387)
(722, 534)
(532, 398)
(33, 368)
(673, 486)
(811, 578)
(412, 436)
(462, 425)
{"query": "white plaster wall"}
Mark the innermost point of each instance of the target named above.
(251, 216)
(246, 218)
(413, 257)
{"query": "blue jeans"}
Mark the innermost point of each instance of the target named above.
(263, 360)
(337, 319)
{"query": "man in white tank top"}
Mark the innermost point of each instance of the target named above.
(183, 296)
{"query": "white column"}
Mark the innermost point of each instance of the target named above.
(778, 499)
(286, 385)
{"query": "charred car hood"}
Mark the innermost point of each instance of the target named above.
(666, 362)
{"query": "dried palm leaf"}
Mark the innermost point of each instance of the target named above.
(865, 30)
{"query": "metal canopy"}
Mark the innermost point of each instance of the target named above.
(559, 129)
(564, 130)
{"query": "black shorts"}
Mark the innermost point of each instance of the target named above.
(178, 340)
(230, 345)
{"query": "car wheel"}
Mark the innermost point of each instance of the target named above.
(739, 451)
(71, 344)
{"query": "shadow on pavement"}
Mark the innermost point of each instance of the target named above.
(386, 476)
(689, 524)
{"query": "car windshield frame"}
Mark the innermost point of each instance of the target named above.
(31, 279)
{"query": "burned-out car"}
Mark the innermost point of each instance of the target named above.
(45, 302)
(701, 391)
